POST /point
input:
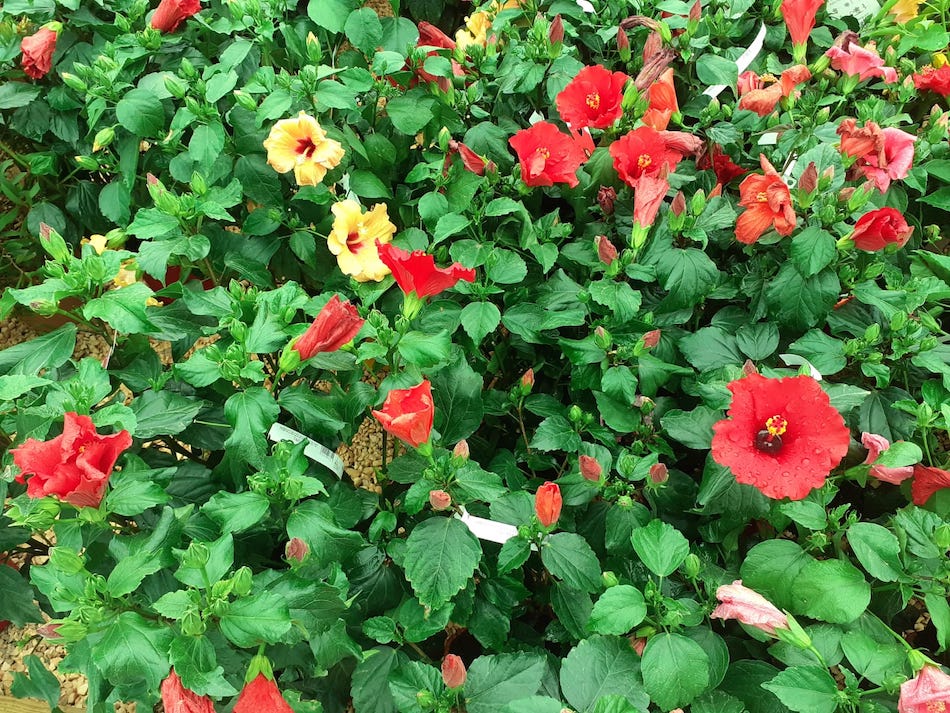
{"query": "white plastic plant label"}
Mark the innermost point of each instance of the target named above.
(742, 64)
(313, 450)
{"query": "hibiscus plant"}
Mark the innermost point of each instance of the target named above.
(647, 301)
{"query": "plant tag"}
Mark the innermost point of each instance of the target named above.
(858, 9)
(490, 530)
(313, 450)
(796, 360)
(742, 64)
(769, 139)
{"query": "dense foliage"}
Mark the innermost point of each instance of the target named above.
(652, 295)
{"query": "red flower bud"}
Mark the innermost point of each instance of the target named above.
(178, 699)
(623, 42)
(808, 181)
(261, 696)
(590, 468)
(527, 379)
(453, 671)
(606, 196)
(461, 450)
(659, 474)
(440, 500)
(678, 206)
(749, 368)
(651, 338)
(336, 324)
(547, 504)
(296, 549)
(556, 31)
(471, 160)
(605, 249)
(880, 228)
(639, 643)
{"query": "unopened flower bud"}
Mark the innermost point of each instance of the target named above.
(453, 670)
(808, 181)
(827, 176)
(651, 338)
(749, 368)
(103, 138)
(527, 379)
(603, 338)
(461, 450)
(175, 86)
(678, 206)
(609, 579)
(556, 31)
(606, 196)
(74, 82)
(87, 162)
(844, 195)
(426, 700)
(691, 566)
(590, 468)
(440, 500)
(606, 250)
(659, 473)
(575, 414)
(296, 549)
(638, 643)
(623, 44)
(244, 100)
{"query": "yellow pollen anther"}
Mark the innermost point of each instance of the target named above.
(936, 707)
(776, 425)
(593, 100)
(762, 197)
(543, 151)
(644, 160)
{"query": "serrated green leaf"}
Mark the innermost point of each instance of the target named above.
(441, 557)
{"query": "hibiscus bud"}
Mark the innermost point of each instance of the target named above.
(87, 162)
(691, 566)
(440, 500)
(606, 195)
(244, 100)
(296, 549)
(461, 450)
(453, 671)
(609, 579)
(556, 31)
(659, 474)
(74, 82)
(651, 338)
(623, 45)
(809, 178)
(49, 631)
(103, 138)
(678, 206)
(590, 468)
(547, 504)
(844, 195)
(527, 379)
(749, 368)
(827, 176)
(602, 338)
(605, 249)
(639, 643)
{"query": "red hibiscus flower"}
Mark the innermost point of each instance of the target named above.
(336, 324)
(547, 504)
(935, 80)
(592, 98)
(927, 692)
(261, 696)
(37, 52)
(799, 16)
(663, 104)
(883, 155)
(171, 13)
(855, 60)
(761, 94)
(927, 481)
(642, 152)
(407, 413)
(178, 699)
(768, 204)
(432, 36)
(782, 435)
(416, 271)
(721, 164)
(547, 156)
(879, 228)
(75, 466)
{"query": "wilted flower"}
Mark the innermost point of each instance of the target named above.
(863, 62)
(606, 195)
(301, 145)
(876, 445)
(335, 325)
(934, 80)
(605, 249)
(663, 104)
(882, 155)
(782, 436)
(38, 51)
(749, 607)
(355, 236)
(659, 473)
(296, 549)
(652, 338)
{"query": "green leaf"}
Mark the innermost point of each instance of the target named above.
(409, 680)
(163, 413)
(568, 557)
(314, 523)
(618, 610)
(441, 557)
(370, 688)
(513, 554)
(40, 684)
(813, 249)
(479, 319)
(798, 301)
(675, 670)
(17, 94)
(555, 433)
(365, 184)
(831, 590)
(711, 348)
(221, 560)
(16, 604)
(602, 666)
(474, 483)
(410, 113)
(45, 352)
(425, 350)
(661, 547)
(757, 341)
(141, 112)
(132, 651)
(330, 14)
(364, 30)
(619, 297)
(250, 413)
(448, 225)
(825, 353)
(495, 681)
(876, 659)
(691, 428)
(457, 393)
(572, 608)
(129, 572)
(236, 512)
(13, 386)
(261, 618)
(687, 275)
(196, 664)
(877, 549)
(808, 689)
(901, 453)
(713, 69)
(123, 309)
(130, 496)
(505, 267)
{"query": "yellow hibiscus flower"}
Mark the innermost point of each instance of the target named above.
(476, 30)
(301, 145)
(905, 10)
(353, 239)
(99, 243)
